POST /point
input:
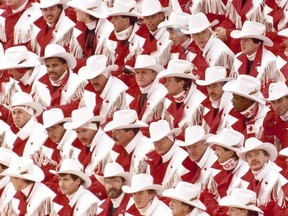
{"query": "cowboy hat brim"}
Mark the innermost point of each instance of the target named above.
(156, 68)
(209, 82)
(167, 73)
(70, 59)
(175, 132)
(37, 107)
(230, 87)
(114, 125)
(237, 34)
(73, 125)
(127, 176)
(97, 12)
(200, 29)
(171, 193)
(31, 62)
(165, 10)
(158, 188)
(83, 176)
(268, 147)
(87, 74)
(194, 141)
(56, 122)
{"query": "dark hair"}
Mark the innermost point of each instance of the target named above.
(234, 153)
(187, 82)
(256, 40)
(74, 177)
(132, 19)
(135, 130)
(252, 213)
(3, 167)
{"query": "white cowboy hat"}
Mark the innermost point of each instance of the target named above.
(94, 8)
(246, 86)
(284, 152)
(178, 68)
(122, 119)
(151, 7)
(146, 62)
(24, 99)
(142, 182)
(283, 32)
(277, 91)
(71, 166)
(50, 3)
(227, 138)
(213, 75)
(57, 51)
(193, 135)
(6, 156)
(160, 129)
(252, 29)
(114, 169)
(254, 144)
(177, 20)
(241, 198)
(52, 117)
(96, 65)
(82, 116)
(24, 168)
(198, 23)
(187, 193)
(18, 57)
(123, 8)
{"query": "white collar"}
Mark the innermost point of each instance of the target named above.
(125, 34)
(146, 89)
(20, 8)
(284, 117)
(73, 198)
(133, 143)
(91, 25)
(117, 201)
(27, 189)
(204, 158)
(27, 130)
(170, 153)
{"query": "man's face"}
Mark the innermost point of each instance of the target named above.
(177, 37)
(248, 47)
(56, 132)
(122, 137)
(68, 185)
(240, 103)
(233, 211)
(80, 15)
(280, 106)
(17, 74)
(178, 208)
(196, 151)
(202, 38)
(99, 82)
(163, 145)
(120, 23)
(215, 91)
(85, 135)
(55, 68)
(51, 14)
(142, 198)
(17, 183)
(153, 21)
(256, 159)
(20, 117)
(222, 154)
(113, 186)
(174, 87)
(144, 77)
(14, 4)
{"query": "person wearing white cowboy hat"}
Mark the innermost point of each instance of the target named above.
(89, 40)
(254, 59)
(185, 200)
(157, 43)
(58, 144)
(282, 57)
(196, 168)
(227, 145)
(24, 69)
(92, 145)
(18, 31)
(73, 184)
(249, 109)
(275, 123)
(209, 50)
(130, 147)
(148, 93)
(185, 98)
(181, 42)
(25, 135)
(123, 45)
(104, 93)
(52, 27)
(265, 177)
(164, 161)
(218, 103)
(117, 202)
(144, 192)
(242, 202)
(59, 86)
(6, 187)
(31, 196)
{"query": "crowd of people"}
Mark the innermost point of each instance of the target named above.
(143, 107)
